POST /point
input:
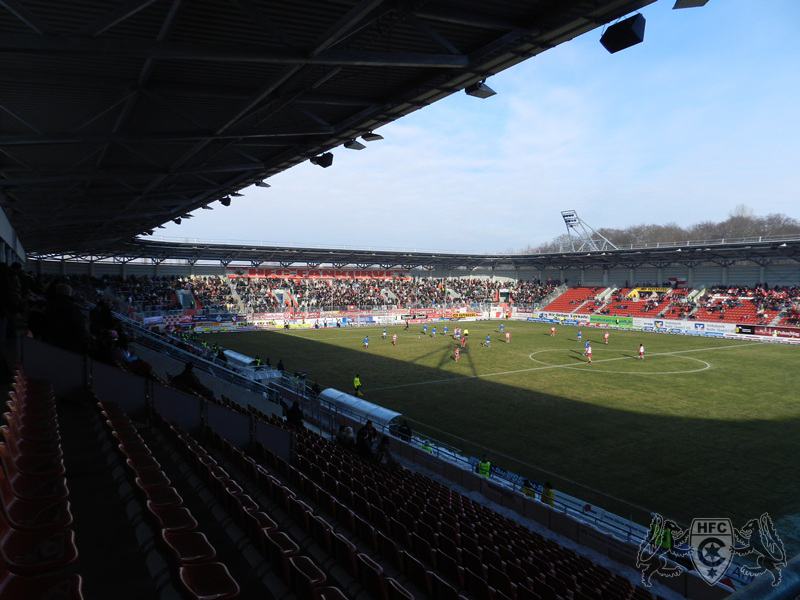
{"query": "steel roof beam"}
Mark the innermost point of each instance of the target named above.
(464, 17)
(116, 16)
(118, 174)
(237, 53)
(24, 15)
(166, 137)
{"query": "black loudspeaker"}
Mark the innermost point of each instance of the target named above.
(624, 34)
(325, 160)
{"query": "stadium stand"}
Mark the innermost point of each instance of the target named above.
(622, 305)
(210, 517)
(250, 295)
(737, 304)
(235, 518)
(572, 299)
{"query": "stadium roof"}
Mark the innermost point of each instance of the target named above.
(724, 252)
(118, 116)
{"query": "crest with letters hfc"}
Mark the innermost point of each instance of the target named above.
(711, 541)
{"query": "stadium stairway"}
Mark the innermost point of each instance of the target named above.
(236, 298)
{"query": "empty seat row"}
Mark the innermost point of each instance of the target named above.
(437, 527)
(188, 549)
(37, 543)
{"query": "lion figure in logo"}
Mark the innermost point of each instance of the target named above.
(758, 536)
(652, 557)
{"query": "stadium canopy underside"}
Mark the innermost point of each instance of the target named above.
(762, 251)
(119, 116)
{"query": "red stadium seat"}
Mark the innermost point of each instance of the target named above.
(63, 586)
(208, 581)
(189, 547)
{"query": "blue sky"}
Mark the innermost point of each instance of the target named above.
(703, 116)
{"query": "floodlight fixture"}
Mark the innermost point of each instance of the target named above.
(263, 184)
(371, 137)
(570, 217)
(323, 160)
(582, 236)
(479, 90)
(354, 145)
(177, 220)
(689, 4)
(226, 201)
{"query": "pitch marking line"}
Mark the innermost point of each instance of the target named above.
(585, 366)
(564, 366)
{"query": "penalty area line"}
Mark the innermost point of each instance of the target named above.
(545, 367)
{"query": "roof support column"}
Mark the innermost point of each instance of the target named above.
(762, 274)
(724, 275)
(605, 276)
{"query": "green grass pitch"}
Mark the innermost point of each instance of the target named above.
(703, 427)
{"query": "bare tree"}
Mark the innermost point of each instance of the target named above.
(741, 222)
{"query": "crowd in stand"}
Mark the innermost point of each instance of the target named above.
(147, 294)
(322, 293)
(530, 292)
(212, 293)
(254, 295)
(761, 296)
(682, 308)
(257, 295)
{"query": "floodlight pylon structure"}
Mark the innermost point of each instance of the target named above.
(582, 236)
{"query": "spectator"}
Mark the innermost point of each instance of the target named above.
(527, 489)
(188, 381)
(484, 467)
(383, 456)
(64, 324)
(548, 494)
(294, 416)
(364, 444)
(346, 438)
(404, 431)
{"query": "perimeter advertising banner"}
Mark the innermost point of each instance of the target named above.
(298, 273)
(611, 321)
(568, 318)
(767, 331)
(703, 328)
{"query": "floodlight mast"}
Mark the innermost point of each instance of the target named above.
(584, 235)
